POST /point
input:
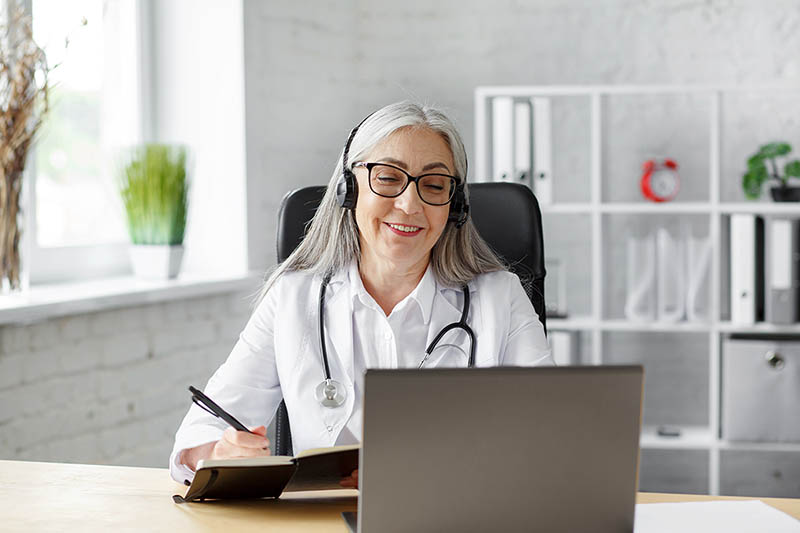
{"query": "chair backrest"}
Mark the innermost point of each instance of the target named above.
(506, 215)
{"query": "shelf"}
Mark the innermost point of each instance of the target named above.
(584, 90)
(702, 208)
(691, 437)
(628, 208)
(586, 323)
(761, 327)
(767, 208)
(580, 207)
(760, 446)
(700, 438)
(668, 208)
(577, 323)
(580, 323)
(627, 325)
(599, 246)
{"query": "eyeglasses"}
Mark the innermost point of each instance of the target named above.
(390, 182)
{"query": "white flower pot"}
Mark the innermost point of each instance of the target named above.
(155, 261)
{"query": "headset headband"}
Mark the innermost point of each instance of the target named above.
(350, 141)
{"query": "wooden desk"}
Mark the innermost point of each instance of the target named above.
(67, 497)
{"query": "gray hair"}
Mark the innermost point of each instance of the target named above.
(332, 243)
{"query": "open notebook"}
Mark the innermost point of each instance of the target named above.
(269, 477)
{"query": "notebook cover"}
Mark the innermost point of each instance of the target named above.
(232, 482)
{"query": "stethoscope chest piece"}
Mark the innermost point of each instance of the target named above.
(330, 393)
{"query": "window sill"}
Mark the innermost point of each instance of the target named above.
(42, 302)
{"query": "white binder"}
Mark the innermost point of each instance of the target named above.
(782, 271)
(698, 263)
(502, 138)
(542, 150)
(640, 302)
(522, 142)
(746, 240)
(670, 281)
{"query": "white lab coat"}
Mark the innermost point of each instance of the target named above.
(278, 353)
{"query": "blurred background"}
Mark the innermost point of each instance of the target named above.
(94, 362)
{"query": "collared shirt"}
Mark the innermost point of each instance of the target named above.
(380, 341)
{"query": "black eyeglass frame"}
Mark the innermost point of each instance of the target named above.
(456, 181)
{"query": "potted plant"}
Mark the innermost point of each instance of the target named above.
(154, 188)
(763, 166)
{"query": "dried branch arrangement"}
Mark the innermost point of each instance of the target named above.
(23, 106)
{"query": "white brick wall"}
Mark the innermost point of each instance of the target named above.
(110, 387)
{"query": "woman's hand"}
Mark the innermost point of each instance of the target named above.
(350, 482)
(241, 444)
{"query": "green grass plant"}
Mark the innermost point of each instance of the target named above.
(154, 188)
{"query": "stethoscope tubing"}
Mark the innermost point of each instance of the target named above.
(322, 288)
(461, 324)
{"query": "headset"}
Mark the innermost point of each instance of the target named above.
(347, 186)
(330, 393)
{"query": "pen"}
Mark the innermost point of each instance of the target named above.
(206, 403)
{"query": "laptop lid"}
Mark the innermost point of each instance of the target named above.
(500, 449)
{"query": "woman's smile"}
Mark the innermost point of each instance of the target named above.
(404, 230)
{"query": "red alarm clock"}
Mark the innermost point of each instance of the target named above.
(660, 181)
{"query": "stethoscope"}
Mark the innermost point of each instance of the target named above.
(331, 393)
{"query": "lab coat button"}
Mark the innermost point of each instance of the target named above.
(330, 428)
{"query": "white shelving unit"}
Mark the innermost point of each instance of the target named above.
(596, 324)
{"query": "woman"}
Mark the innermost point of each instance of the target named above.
(395, 262)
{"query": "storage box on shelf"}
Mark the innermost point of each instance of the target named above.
(589, 160)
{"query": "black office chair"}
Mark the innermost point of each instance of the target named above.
(506, 215)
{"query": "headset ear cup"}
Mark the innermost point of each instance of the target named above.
(459, 209)
(452, 215)
(464, 216)
(347, 190)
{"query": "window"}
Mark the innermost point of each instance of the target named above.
(133, 58)
(75, 226)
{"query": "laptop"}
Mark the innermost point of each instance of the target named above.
(500, 449)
